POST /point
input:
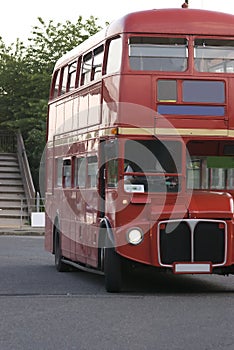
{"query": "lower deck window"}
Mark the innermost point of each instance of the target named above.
(213, 170)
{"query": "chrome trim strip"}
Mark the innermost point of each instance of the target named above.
(175, 131)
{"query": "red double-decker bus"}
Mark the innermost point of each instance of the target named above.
(140, 147)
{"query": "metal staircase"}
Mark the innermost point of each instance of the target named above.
(16, 199)
(13, 207)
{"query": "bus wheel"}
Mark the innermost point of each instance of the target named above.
(59, 264)
(112, 269)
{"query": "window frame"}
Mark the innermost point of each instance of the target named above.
(56, 83)
(97, 52)
(64, 80)
(67, 173)
(159, 43)
(59, 172)
(80, 178)
(200, 42)
(72, 75)
(85, 77)
(182, 106)
(117, 67)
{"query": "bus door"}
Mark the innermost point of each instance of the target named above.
(102, 184)
(108, 171)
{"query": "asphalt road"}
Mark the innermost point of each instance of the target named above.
(43, 309)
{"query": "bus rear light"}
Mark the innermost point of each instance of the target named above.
(135, 236)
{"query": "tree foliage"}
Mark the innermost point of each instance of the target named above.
(50, 41)
(25, 75)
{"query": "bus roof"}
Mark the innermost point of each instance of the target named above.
(161, 21)
(175, 21)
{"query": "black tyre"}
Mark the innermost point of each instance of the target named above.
(112, 269)
(59, 264)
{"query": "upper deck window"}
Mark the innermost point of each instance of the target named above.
(56, 84)
(72, 76)
(114, 56)
(212, 55)
(64, 81)
(97, 62)
(158, 54)
(86, 69)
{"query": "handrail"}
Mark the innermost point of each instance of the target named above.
(26, 173)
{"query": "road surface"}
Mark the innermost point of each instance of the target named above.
(44, 309)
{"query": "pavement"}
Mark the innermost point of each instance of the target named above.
(24, 230)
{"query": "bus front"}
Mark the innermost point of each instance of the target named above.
(174, 206)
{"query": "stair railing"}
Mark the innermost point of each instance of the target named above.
(26, 174)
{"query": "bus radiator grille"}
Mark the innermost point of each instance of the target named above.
(191, 241)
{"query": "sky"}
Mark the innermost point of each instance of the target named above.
(18, 17)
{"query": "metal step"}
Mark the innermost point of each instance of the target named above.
(11, 189)
(14, 213)
(12, 197)
(9, 169)
(13, 185)
(10, 156)
(14, 201)
(11, 182)
(10, 176)
(7, 162)
(12, 222)
(11, 206)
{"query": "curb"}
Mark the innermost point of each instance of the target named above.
(29, 231)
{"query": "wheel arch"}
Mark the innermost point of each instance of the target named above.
(105, 231)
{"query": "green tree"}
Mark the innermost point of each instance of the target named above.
(50, 41)
(25, 75)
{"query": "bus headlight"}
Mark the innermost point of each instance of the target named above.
(135, 236)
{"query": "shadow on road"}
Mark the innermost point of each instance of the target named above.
(148, 281)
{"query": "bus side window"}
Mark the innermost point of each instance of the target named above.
(67, 173)
(217, 178)
(59, 172)
(64, 81)
(92, 172)
(97, 63)
(114, 56)
(55, 85)
(86, 69)
(80, 172)
(72, 73)
(197, 173)
(230, 179)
